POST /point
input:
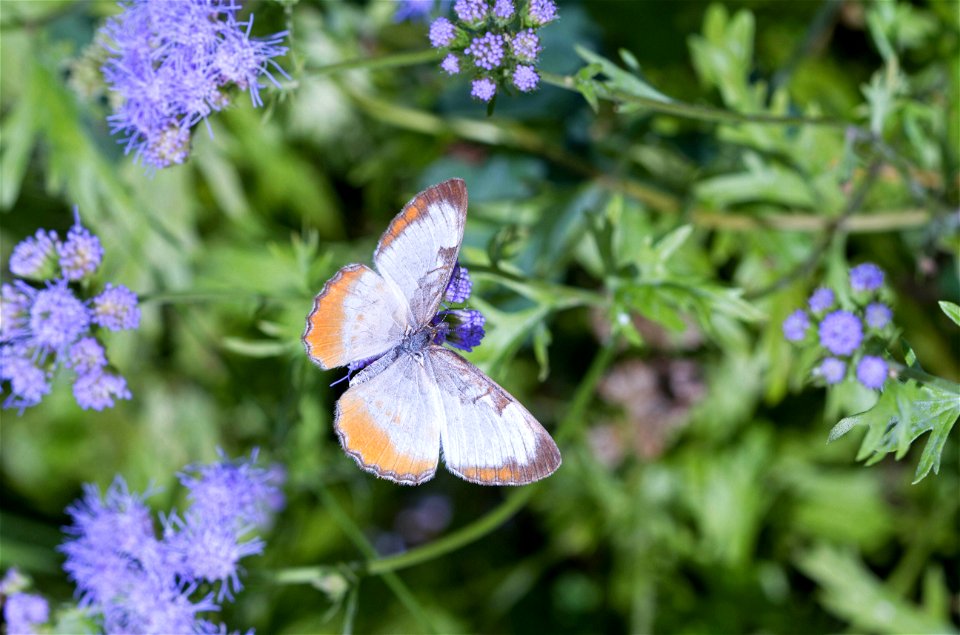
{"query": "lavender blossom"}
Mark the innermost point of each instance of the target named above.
(87, 356)
(450, 64)
(412, 10)
(471, 11)
(483, 89)
(459, 287)
(841, 333)
(461, 328)
(503, 9)
(877, 315)
(35, 257)
(97, 389)
(525, 78)
(526, 45)
(80, 254)
(442, 33)
(28, 382)
(171, 63)
(542, 12)
(23, 612)
(872, 371)
(866, 277)
(832, 370)
(57, 318)
(821, 300)
(796, 325)
(116, 308)
(487, 51)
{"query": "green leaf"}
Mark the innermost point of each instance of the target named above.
(952, 311)
(851, 591)
(903, 413)
(256, 348)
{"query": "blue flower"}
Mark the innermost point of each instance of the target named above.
(542, 12)
(832, 370)
(116, 308)
(487, 50)
(459, 286)
(821, 300)
(471, 11)
(866, 277)
(136, 582)
(97, 389)
(503, 9)
(35, 257)
(412, 10)
(42, 329)
(872, 371)
(525, 78)
(171, 63)
(796, 325)
(57, 318)
(450, 64)
(525, 46)
(80, 254)
(841, 332)
(442, 33)
(461, 328)
(877, 315)
(483, 89)
(23, 612)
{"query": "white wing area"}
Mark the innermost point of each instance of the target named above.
(487, 436)
(390, 421)
(419, 249)
(357, 315)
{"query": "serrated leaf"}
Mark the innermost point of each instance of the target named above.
(952, 311)
(900, 416)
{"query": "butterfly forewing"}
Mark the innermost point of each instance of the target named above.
(357, 315)
(487, 436)
(419, 249)
(389, 422)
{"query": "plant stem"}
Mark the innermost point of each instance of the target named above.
(374, 63)
(921, 376)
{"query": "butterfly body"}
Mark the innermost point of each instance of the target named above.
(416, 396)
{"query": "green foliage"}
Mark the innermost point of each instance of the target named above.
(638, 230)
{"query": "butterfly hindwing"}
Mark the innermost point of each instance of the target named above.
(419, 249)
(389, 421)
(488, 437)
(357, 315)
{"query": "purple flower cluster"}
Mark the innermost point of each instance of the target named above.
(171, 64)
(497, 41)
(460, 328)
(413, 10)
(22, 612)
(138, 582)
(846, 333)
(46, 324)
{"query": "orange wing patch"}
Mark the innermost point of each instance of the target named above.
(370, 445)
(324, 337)
(411, 212)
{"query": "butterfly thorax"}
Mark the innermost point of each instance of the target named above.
(415, 341)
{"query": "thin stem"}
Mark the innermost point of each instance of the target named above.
(690, 111)
(374, 63)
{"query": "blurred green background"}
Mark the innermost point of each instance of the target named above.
(697, 492)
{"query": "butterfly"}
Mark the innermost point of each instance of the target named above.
(418, 397)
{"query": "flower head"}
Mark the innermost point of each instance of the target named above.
(442, 33)
(15, 301)
(525, 78)
(872, 371)
(483, 89)
(526, 45)
(796, 325)
(459, 286)
(57, 317)
(832, 370)
(412, 10)
(503, 9)
(542, 11)
(80, 254)
(28, 382)
(461, 328)
(866, 277)
(97, 389)
(471, 10)
(877, 315)
(450, 64)
(487, 51)
(169, 63)
(35, 257)
(821, 300)
(116, 308)
(841, 332)
(87, 355)
(23, 612)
